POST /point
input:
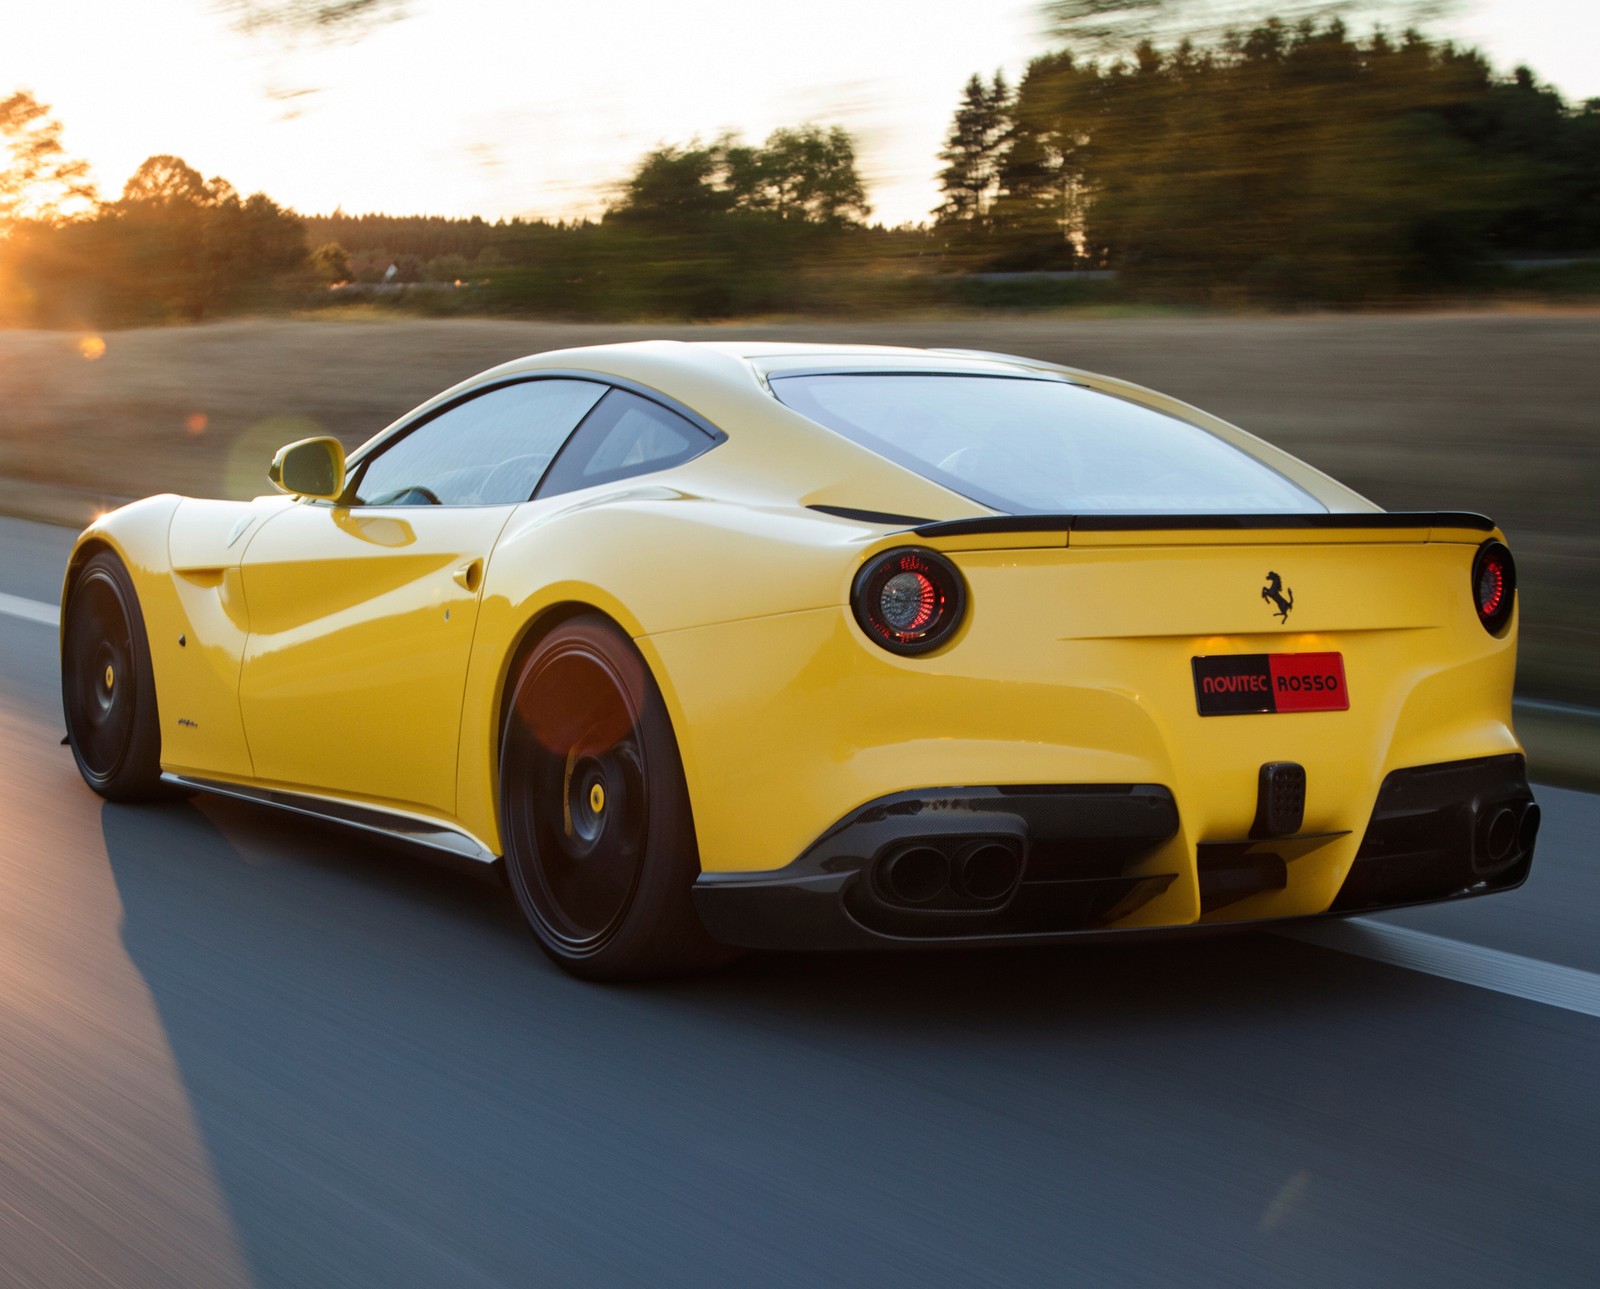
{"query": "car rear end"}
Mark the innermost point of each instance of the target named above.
(1114, 722)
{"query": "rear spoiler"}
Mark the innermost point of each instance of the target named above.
(1152, 523)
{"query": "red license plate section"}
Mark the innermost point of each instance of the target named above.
(1238, 683)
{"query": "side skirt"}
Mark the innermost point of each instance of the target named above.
(398, 825)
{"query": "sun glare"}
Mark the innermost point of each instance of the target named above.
(92, 348)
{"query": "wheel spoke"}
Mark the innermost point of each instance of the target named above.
(101, 688)
(580, 796)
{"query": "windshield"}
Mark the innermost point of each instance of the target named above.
(1042, 446)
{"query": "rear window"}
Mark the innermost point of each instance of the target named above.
(1041, 446)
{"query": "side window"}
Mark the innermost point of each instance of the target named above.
(489, 451)
(626, 435)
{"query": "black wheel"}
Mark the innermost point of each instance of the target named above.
(594, 813)
(107, 688)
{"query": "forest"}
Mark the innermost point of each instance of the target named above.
(1287, 165)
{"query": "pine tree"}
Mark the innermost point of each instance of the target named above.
(973, 153)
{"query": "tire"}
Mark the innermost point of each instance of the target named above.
(108, 690)
(599, 841)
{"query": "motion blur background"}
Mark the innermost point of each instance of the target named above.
(1369, 232)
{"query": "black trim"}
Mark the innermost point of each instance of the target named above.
(1036, 374)
(1083, 846)
(1086, 848)
(394, 824)
(1428, 837)
(1168, 523)
(871, 516)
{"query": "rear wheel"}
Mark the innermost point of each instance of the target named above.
(599, 840)
(107, 687)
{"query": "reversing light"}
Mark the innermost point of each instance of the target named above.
(909, 600)
(1494, 586)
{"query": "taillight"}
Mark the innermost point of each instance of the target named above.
(909, 600)
(1494, 586)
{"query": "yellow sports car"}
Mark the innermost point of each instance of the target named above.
(824, 647)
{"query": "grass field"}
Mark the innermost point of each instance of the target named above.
(1494, 412)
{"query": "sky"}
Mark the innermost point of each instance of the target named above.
(505, 107)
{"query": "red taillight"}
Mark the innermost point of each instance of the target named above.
(1494, 586)
(909, 600)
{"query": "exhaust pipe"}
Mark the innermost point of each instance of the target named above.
(915, 874)
(987, 871)
(1528, 827)
(1500, 835)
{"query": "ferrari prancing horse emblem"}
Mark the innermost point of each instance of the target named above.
(1274, 593)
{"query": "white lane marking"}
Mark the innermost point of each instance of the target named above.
(1561, 709)
(14, 606)
(1505, 973)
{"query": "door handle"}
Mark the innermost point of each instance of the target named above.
(470, 576)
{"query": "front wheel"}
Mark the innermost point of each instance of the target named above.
(599, 841)
(108, 689)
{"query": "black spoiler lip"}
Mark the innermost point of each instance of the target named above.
(1168, 523)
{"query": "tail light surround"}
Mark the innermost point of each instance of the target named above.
(909, 600)
(1494, 586)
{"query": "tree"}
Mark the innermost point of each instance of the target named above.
(972, 154)
(1285, 161)
(174, 244)
(722, 228)
(675, 188)
(37, 178)
(331, 263)
(1107, 29)
(1038, 216)
(170, 180)
(807, 174)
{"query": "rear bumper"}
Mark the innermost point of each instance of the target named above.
(931, 868)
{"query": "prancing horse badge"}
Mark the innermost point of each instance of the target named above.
(1273, 593)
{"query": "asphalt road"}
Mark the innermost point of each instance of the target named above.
(241, 1049)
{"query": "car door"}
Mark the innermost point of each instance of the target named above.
(362, 612)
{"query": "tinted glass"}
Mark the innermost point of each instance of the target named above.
(1043, 446)
(489, 451)
(626, 435)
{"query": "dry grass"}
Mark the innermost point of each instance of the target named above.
(1493, 412)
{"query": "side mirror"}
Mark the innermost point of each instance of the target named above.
(309, 468)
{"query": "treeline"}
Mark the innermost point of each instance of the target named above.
(1281, 165)
(419, 237)
(174, 246)
(705, 229)
(1284, 163)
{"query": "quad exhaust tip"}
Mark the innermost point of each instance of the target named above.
(959, 873)
(1500, 836)
(1505, 833)
(916, 874)
(987, 870)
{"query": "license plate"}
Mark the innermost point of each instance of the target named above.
(1235, 684)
